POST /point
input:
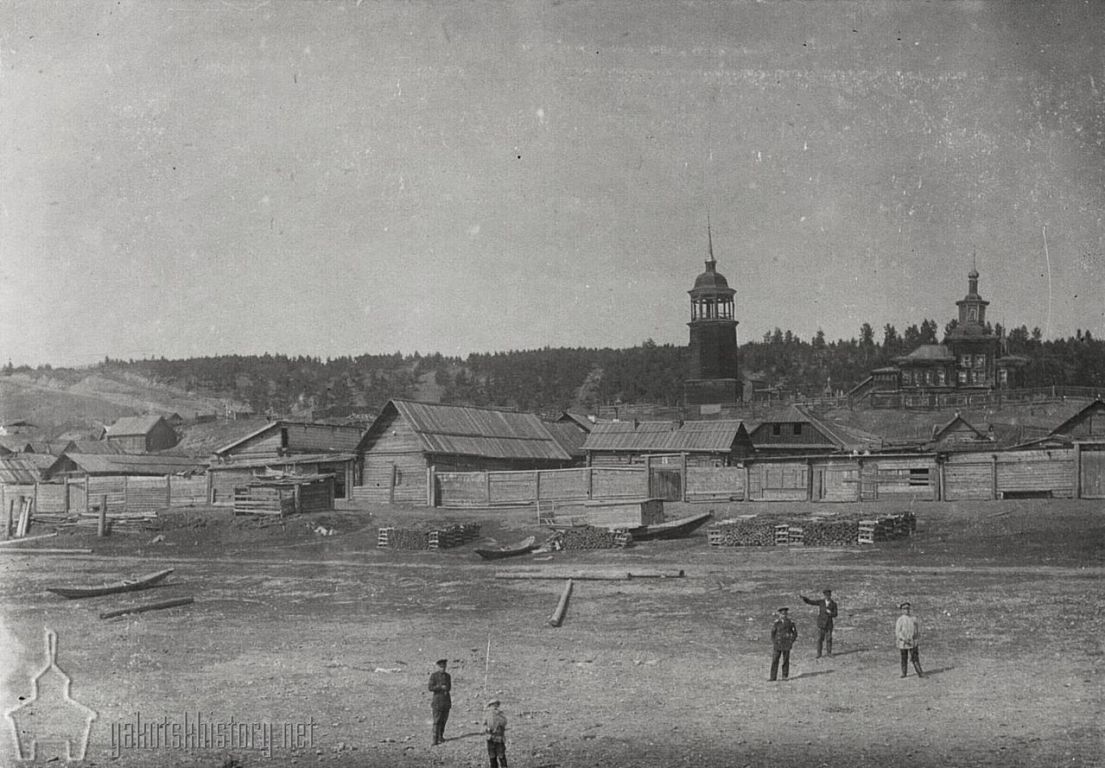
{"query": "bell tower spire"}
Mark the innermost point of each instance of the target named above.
(713, 377)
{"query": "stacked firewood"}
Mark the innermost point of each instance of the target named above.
(742, 533)
(830, 533)
(439, 537)
(589, 537)
(887, 528)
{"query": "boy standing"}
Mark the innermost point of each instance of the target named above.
(494, 726)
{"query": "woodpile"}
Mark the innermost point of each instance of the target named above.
(444, 537)
(743, 533)
(887, 528)
(830, 533)
(753, 532)
(589, 537)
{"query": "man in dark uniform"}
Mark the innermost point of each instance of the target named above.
(825, 614)
(783, 635)
(440, 684)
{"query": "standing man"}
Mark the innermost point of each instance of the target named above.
(440, 684)
(494, 726)
(825, 614)
(908, 634)
(783, 635)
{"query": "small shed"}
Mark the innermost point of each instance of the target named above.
(142, 434)
(282, 495)
(711, 443)
(797, 432)
(957, 434)
(225, 477)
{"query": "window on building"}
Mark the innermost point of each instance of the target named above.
(963, 377)
(776, 429)
(941, 378)
(798, 428)
(980, 362)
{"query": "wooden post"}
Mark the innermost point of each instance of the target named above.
(34, 497)
(648, 476)
(11, 519)
(168, 491)
(431, 497)
(1077, 470)
(87, 499)
(297, 503)
(209, 491)
(590, 482)
(994, 476)
(126, 494)
(391, 483)
(18, 515)
(683, 485)
(67, 497)
(101, 527)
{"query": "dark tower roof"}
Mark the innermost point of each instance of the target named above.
(711, 281)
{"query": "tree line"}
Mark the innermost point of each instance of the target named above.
(551, 380)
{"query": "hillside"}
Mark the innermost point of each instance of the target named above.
(58, 401)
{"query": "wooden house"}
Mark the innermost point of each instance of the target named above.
(1089, 422)
(797, 432)
(410, 439)
(711, 443)
(288, 438)
(958, 435)
(142, 434)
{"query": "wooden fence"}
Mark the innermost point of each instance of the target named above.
(125, 496)
(487, 489)
(905, 477)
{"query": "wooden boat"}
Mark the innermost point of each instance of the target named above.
(675, 529)
(126, 585)
(521, 548)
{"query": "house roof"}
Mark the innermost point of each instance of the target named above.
(841, 436)
(713, 436)
(25, 468)
(351, 435)
(92, 446)
(928, 353)
(1095, 406)
(462, 430)
(135, 464)
(956, 420)
(129, 426)
(569, 435)
(583, 422)
(284, 461)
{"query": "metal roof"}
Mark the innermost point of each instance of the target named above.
(133, 425)
(135, 464)
(713, 436)
(462, 430)
(349, 435)
(928, 352)
(25, 468)
(284, 461)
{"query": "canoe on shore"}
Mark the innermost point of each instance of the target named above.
(523, 547)
(126, 585)
(675, 529)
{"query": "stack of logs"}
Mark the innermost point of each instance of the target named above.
(755, 532)
(742, 533)
(589, 537)
(887, 528)
(432, 538)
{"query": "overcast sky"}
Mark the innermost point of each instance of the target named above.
(196, 178)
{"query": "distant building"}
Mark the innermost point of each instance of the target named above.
(142, 434)
(713, 378)
(970, 358)
(712, 443)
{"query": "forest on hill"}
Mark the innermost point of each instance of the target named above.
(551, 380)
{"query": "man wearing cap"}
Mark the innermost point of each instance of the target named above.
(494, 726)
(440, 684)
(825, 614)
(783, 635)
(908, 634)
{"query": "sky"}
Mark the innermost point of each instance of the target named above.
(184, 179)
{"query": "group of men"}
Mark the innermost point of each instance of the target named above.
(907, 635)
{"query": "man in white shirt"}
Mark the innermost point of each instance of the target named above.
(908, 634)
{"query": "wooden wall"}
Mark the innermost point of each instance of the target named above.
(778, 481)
(714, 483)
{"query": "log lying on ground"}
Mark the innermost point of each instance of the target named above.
(562, 606)
(147, 607)
(44, 551)
(592, 575)
(28, 538)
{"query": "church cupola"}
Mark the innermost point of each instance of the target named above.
(972, 307)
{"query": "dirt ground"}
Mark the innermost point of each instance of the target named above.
(331, 636)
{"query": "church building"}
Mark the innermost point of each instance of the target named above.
(713, 379)
(970, 358)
